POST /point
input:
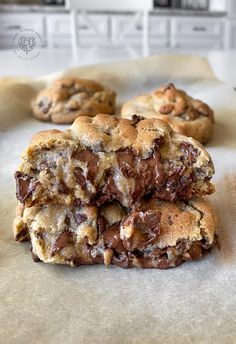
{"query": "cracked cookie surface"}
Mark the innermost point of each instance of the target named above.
(68, 98)
(105, 158)
(183, 113)
(157, 234)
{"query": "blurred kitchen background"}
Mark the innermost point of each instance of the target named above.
(175, 26)
(181, 24)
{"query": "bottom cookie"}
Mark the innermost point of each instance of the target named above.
(158, 234)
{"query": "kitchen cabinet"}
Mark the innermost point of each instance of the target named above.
(11, 25)
(165, 30)
(159, 30)
(205, 33)
(231, 34)
(58, 30)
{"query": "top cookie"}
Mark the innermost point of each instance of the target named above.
(183, 113)
(69, 97)
(106, 158)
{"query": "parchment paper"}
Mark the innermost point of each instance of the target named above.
(194, 303)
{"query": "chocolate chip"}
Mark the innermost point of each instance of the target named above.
(126, 162)
(44, 105)
(80, 178)
(123, 261)
(102, 223)
(80, 218)
(112, 238)
(87, 156)
(151, 170)
(110, 190)
(65, 239)
(145, 226)
(195, 251)
(190, 152)
(136, 119)
(24, 186)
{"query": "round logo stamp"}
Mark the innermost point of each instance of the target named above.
(27, 44)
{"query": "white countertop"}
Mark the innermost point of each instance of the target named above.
(49, 61)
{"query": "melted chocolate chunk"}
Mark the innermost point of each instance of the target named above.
(146, 228)
(80, 218)
(175, 188)
(24, 186)
(87, 156)
(136, 119)
(110, 190)
(80, 178)
(126, 161)
(102, 224)
(123, 261)
(112, 238)
(99, 259)
(65, 239)
(151, 171)
(195, 251)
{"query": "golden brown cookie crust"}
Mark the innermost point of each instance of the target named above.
(184, 114)
(68, 98)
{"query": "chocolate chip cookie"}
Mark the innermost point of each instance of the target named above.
(104, 158)
(157, 234)
(183, 113)
(68, 98)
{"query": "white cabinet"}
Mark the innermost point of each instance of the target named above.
(159, 30)
(11, 25)
(58, 30)
(231, 34)
(165, 31)
(197, 32)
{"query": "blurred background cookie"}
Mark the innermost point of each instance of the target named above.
(70, 97)
(183, 113)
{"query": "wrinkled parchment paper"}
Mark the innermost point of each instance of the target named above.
(194, 303)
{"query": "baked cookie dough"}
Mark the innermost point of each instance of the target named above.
(183, 113)
(157, 234)
(105, 158)
(68, 98)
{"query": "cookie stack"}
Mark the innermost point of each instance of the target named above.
(115, 191)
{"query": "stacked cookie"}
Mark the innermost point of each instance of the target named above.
(115, 191)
